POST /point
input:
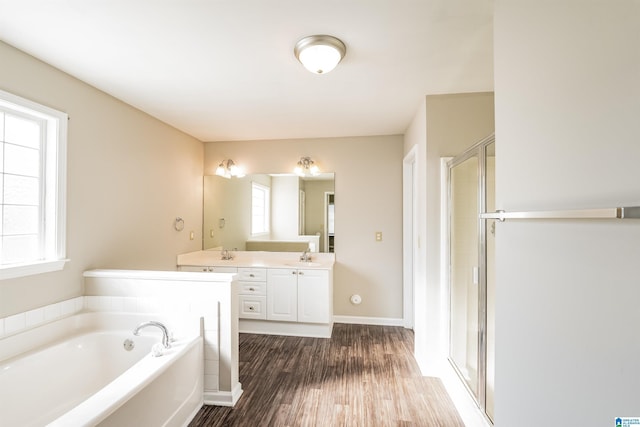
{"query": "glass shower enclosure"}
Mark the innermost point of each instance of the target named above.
(471, 188)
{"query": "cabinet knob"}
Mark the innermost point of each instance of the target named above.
(294, 272)
(251, 308)
(252, 289)
(251, 275)
(300, 272)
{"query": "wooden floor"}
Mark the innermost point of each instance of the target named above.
(363, 376)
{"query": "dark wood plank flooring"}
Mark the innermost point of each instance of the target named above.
(363, 376)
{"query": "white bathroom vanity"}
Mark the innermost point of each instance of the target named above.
(278, 293)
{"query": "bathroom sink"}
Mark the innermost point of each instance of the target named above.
(303, 264)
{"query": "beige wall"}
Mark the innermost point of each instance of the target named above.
(445, 125)
(129, 176)
(368, 184)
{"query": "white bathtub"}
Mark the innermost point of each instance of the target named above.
(76, 372)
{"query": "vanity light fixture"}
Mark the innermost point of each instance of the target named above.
(306, 167)
(228, 168)
(320, 53)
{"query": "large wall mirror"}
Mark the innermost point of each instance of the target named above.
(269, 212)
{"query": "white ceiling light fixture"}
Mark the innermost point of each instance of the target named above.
(320, 53)
(306, 167)
(228, 168)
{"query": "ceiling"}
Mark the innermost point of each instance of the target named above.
(225, 70)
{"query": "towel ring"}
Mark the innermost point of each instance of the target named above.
(179, 225)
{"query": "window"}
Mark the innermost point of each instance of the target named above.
(32, 187)
(260, 207)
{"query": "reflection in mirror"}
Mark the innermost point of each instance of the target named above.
(269, 212)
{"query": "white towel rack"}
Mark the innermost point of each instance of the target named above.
(627, 212)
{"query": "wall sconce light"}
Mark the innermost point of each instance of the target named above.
(306, 167)
(227, 169)
(320, 53)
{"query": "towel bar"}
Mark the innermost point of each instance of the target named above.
(628, 212)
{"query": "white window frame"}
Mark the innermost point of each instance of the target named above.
(54, 178)
(265, 229)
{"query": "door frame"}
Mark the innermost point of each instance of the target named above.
(410, 237)
(325, 232)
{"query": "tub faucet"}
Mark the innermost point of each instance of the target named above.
(165, 331)
(305, 256)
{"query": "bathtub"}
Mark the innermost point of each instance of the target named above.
(76, 372)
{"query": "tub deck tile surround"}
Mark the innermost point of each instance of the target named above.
(29, 319)
(363, 376)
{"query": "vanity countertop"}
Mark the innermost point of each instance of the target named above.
(320, 261)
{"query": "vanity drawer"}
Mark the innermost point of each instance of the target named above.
(253, 307)
(252, 274)
(223, 269)
(208, 269)
(199, 268)
(253, 288)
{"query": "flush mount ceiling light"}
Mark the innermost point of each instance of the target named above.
(306, 167)
(320, 53)
(228, 168)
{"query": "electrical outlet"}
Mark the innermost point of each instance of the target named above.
(192, 235)
(378, 236)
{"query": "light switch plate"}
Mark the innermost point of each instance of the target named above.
(378, 236)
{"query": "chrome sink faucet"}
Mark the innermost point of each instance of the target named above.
(226, 255)
(165, 332)
(305, 257)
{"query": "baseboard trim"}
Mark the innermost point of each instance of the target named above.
(360, 320)
(223, 398)
(270, 327)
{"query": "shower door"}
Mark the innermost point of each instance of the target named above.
(471, 191)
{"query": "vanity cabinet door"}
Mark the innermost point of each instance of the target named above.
(282, 294)
(314, 296)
